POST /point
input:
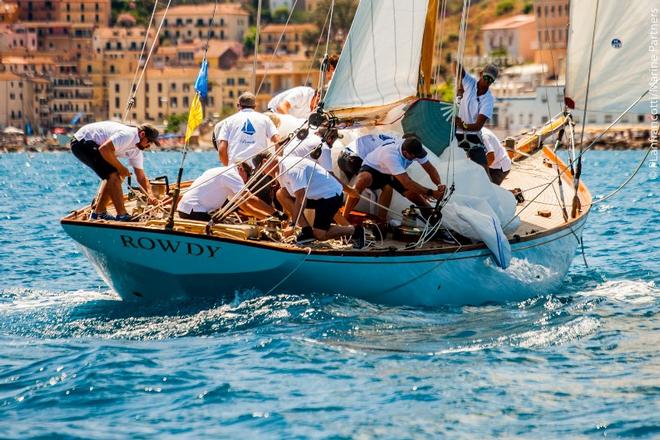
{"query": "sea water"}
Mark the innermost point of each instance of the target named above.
(76, 362)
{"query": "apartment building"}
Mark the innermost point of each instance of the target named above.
(97, 12)
(187, 22)
(163, 92)
(552, 34)
(284, 39)
(17, 38)
(25, 102)
(8, 12)
(512, 37)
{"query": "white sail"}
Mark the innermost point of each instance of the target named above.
(624, 54)
(379, 64)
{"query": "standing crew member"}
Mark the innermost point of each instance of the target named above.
(498, 159)
(298, 101)
(100, 145)
(387, 165)
(246, 133)
(476, 107)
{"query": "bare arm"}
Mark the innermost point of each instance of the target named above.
(222, 153)
(107, 151)
(432, 172)
(490, 158)
(284, 107)
(256, 207)
(142, 179)
(481, 120)
(298, 207)
(411, 185)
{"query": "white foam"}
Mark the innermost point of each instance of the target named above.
(627, 291)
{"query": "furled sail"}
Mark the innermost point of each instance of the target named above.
(625, 51)
(380, 61)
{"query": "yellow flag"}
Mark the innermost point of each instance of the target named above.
(195, 116)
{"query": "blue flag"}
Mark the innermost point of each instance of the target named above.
(202, 83)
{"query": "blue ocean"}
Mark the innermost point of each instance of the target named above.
(76, 362)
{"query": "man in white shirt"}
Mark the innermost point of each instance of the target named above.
(498, 159)
(387, 165)
(100, 145)
(475, 108)
(316, 146)
(298, 101)
(305, 184)
(246, 133)
(214, 187)
(351, 158)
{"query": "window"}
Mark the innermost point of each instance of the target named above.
(173, 102)
(186, 102)
(117, 104)
(112, 68)
(160, 87)
(173, 87)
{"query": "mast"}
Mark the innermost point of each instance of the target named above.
(428, 49)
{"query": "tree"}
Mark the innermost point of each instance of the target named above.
(342, 17)
(248, 40)
(174, 122)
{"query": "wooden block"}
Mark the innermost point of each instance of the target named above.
(544, 213)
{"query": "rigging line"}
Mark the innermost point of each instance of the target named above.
(277, 46)
(332, 16)
(153, 45)
(373, 45)
(309, 251)
(256, 47)
(131, 99)
(324, 65)
(620, 187)
(591, 58)
(583, 151)
(316, 50)
(396, 52)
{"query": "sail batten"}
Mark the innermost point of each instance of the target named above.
(382, 32)
(623, 54)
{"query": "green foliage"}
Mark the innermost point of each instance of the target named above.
(499, 52)
(249, 39)
(504, 7)
(528, 7)
(342, 17)
(445, 91)
(280, 14)
(175, 121)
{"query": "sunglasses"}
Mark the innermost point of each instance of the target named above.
(489, 79)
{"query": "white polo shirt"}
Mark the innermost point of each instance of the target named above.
(247, 133)
(300, 99)
(389, 159)
(493, 145)
(368, 143)
(124, 138)
(297, 173)
(298, 148)
(471, 105)
(210, 190)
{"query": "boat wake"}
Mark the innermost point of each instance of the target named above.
(334, 321)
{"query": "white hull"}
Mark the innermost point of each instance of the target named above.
(157, 265)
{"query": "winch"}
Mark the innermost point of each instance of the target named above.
(408, 231)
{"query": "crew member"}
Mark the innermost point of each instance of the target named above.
(387, 165)
(214, 187)
(246, 133)
(351, 158)
(100, 145)
(305, 184)
(475, 108)
(299, 102)
(316, 146)
(498, 159)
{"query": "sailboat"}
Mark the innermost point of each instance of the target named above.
(508, 249)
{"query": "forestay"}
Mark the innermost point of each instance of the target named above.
(379, 64)
(625, 48)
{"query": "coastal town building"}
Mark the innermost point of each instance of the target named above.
(187, 22)
(512, 36)
(284, 39)
(8, 12)
(552, 34)
(97, 12)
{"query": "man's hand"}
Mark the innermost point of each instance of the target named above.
(458, 122)
(152, 200)
(352, 192)
(288, 232)
(123, 172)
(440, 192)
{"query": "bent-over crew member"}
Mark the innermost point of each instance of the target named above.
(387, 165)
(214, 187)
(100, 145)
(499, 162)
(299, 102)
